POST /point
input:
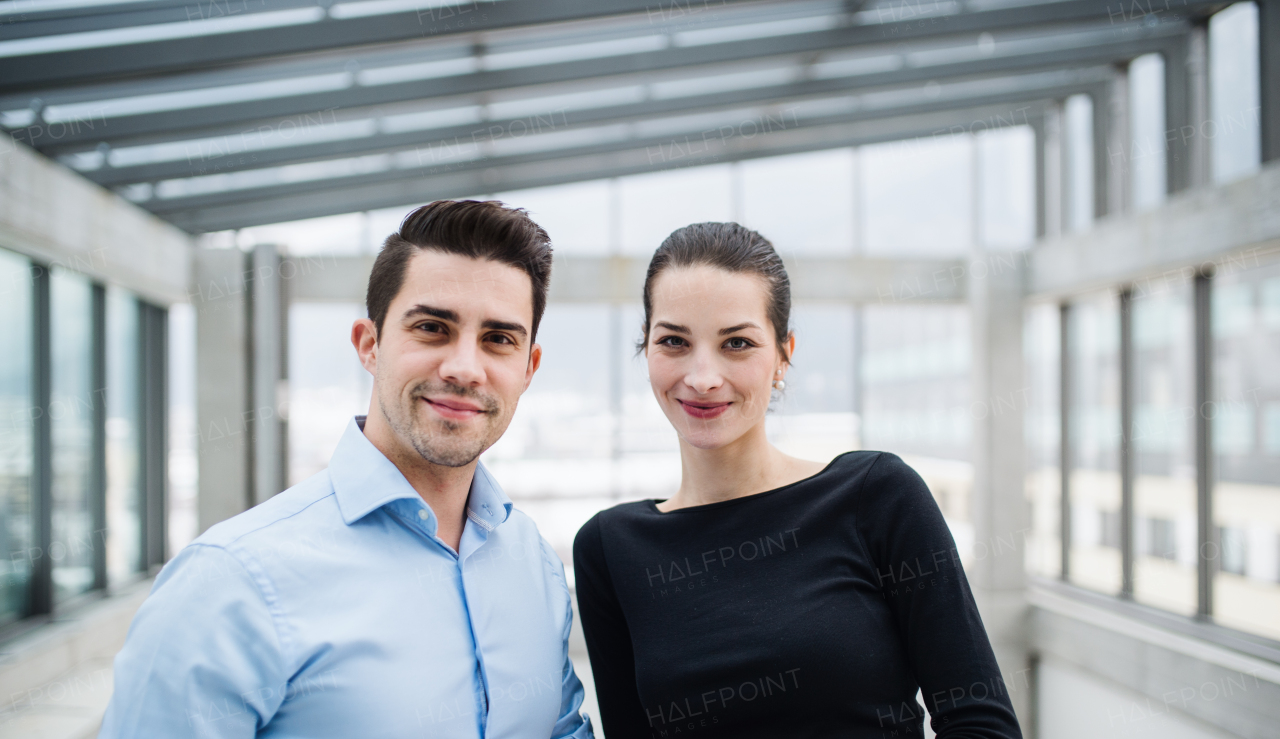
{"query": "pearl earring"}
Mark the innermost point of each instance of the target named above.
(779, 384)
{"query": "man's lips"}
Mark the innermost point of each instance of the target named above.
(455, 409)
(702, 409)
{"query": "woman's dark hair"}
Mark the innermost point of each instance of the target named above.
(733, 248)
(477, 229)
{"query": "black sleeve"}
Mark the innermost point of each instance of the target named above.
(919, 571)
(613, 664)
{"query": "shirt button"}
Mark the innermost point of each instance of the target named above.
(422, 513)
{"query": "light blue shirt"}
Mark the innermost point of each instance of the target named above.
(333, 610)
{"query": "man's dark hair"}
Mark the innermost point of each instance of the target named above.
(733, 248)
(477, 229)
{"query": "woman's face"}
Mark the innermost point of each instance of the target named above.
(712, 353)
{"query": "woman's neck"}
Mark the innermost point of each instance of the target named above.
(746, 466)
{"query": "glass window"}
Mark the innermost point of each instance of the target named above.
(1235, 109)
(182, 524)
(803, 203)
(124, 439)
(1077, 121)
(71, 417)
(1164, 486)
(576, 216)
(654, 205)
(1246, 439)
(1007, 179)
(16, 524)
(1043, 430)
(813, 418)
(917, 197)
(915, 375)
(1147, 147)
(1094, 349)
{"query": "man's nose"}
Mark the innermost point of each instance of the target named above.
(462, 365)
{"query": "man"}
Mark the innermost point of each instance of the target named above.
(397, 593)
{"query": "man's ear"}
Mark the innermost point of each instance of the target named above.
(535, 361)
(364, 337)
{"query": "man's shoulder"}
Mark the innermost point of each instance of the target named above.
(313, 495)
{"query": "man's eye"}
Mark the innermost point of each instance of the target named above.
(431, 327)
(500, 339)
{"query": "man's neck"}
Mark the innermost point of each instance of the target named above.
(444, 489)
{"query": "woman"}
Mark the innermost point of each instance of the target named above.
(770, 596)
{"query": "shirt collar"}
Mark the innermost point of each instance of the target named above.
(364, 480)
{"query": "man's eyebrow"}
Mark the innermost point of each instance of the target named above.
(426, 310)
(514, 328)
(739, 327)
(674, 327)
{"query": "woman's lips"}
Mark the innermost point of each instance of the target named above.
(454, 410)
(703, 410)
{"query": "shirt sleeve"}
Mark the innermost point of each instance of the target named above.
(570, 724)
(203, 657)
(613, 665)
(919, 571)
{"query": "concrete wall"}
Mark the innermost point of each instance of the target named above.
(55, 216)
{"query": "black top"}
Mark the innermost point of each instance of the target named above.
(813, 610)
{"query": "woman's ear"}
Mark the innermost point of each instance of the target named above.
(791, 347)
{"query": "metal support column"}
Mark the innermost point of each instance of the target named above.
(1126, 443)
(98, 442)
(1269, 76)
(1111, 146)
(1064, 437)
(42, 443)
(1186, 111)
(263, 419)
(1208, 545)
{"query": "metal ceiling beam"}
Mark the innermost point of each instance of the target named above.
(453, 159)
(1106, 45)
(560, 167)
(84, 66)
(219, 158)
(29, 21)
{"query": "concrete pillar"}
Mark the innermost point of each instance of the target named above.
(998, 508)
(221, 308)
(1269, 76)
(240, 305)
(1186, 112)
(267, 350)
(1051, 205)
(1111, 146)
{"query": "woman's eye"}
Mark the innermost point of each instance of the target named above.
(737, 342)
(670, 341)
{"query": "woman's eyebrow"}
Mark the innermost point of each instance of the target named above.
(674, 327)
(739, 327)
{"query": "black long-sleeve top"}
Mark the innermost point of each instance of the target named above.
(813, 610)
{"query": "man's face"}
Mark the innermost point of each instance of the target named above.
(454, 355)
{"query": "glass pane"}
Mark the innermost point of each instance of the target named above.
(803, 203)
(1094, 344)
(16, 524)
(654, 205)
(1078, 165)
(1234, 92)
(1164, 487)
(124, 490)
(1147, 163)
(1042, 348)
(71, 415)
(917, 196)
(1007, 179)
(915, 374)
(1246, 439)
(183, 471)
(813, 418)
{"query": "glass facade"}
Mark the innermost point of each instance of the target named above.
(17, 511)
(1093, 341)
(73, 373)
(71, 415)
(1245, 420)
(1042, 431)
(1164, 485)
(124, 503)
